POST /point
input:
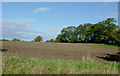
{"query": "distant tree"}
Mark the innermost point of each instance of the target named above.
(15, 39)
(47, 41)
(4, 40)
(38, 39)
(51, 40)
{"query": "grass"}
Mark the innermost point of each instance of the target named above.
(23, 65)
(101, 44)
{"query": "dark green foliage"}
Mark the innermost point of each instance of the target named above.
(51, 40)
(58, 38)
(38, 39)
(15, 39)
(67, 35)
(4, 40)
(102, 32)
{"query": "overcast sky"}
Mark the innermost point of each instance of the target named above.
(26, 20)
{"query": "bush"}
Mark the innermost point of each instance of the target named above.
(51, 40)
(15, 39)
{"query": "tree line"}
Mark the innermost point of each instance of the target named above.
(15, 39)
(37, 39)
(106, 32)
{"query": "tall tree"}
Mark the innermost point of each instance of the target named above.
(68, 34)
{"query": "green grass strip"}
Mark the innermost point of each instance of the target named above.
(23, 65)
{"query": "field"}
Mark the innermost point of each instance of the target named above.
(82, 58)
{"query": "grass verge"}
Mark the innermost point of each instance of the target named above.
(23, 65)
(101, 44)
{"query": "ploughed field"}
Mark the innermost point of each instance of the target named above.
(66, 51)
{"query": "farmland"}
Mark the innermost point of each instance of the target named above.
(65, 51)
(84, 58)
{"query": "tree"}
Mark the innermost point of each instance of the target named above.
(96, 33)
(58, 38)
(15, 39)
(118, 36)
(51, 40)
(68, 35)
(115, 35)
(38, 39)
(83, 32)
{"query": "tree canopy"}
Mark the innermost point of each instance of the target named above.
(102, 32)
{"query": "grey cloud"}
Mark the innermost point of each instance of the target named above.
(42, 9)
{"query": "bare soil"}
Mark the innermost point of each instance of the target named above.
(47, 50)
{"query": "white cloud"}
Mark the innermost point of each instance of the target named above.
(42, 9)
(18, 29)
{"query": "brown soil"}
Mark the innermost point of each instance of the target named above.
(49, 50)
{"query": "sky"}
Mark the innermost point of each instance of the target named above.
(27, 20)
